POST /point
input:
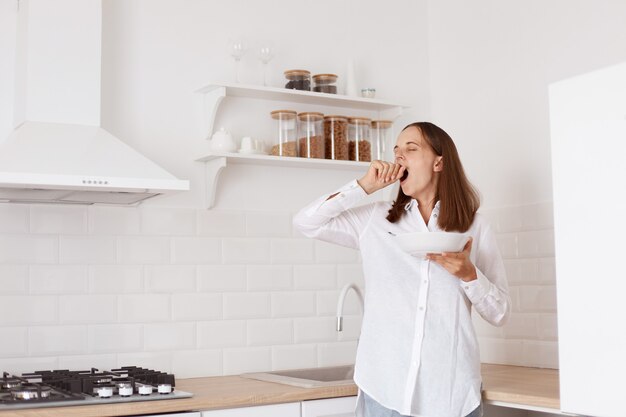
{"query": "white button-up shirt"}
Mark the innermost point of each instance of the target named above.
(417, 353)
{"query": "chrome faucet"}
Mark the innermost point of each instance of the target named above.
(342, 297)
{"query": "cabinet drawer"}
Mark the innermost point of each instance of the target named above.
(329, 407)
(273, 410)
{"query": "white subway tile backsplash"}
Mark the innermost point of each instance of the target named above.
(58, 279)
(314, 277)
(196, 307)
(74, 309)
(28, 364)
(105, 361)
(222, 223)
(536, 243)
(114, 220)
(348, 274)
(222, 333)
(292, 251)
(540, 354)
(521, 326)
(196, 363)
(143, 250)
(60, 219)
(104, 338)
(340, 353)
(57, 340)
(293, 304)
(168, 221)
(547, 327)
(29, 249)
(330, 253)
(507, 243)
(247, 305)
(246, 251)
(250, 359)
(270, 332)
(502, 351)
(13, 279)
(196, 250)
(221, 278)
(87, 250)
(538, 216)
(270, 278)
(170, 278)
(14, 218)
(268, 224)
(153, 360)
(538, 298)
(202, 293)
(547, 271)
(28, 310)
(14, 341)
(115, 279)
(143, 308)
(294, 357)
(326, 302)
(318, 329)
(169, 336)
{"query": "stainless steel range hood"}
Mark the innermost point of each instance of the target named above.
(58, 152)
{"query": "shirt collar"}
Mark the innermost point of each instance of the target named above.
(413, 203)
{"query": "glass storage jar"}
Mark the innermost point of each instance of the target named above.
(359, 145)
(325, 83)
(336, 137)
(285, 142)
(298, 80)
(381, 135)
(311, 135)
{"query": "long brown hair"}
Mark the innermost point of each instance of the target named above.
(459, 200)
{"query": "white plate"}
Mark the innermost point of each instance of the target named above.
(421, 243)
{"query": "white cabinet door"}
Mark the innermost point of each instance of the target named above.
(588, 124)
(331, 407)
(273, 410)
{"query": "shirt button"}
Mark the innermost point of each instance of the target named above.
(422, 308)
(467, 287)
(425, 281)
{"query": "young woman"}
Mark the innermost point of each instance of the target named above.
(418, 353)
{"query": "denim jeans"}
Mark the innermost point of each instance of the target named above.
(372, 408)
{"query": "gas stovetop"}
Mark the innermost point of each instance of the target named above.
(64, 387)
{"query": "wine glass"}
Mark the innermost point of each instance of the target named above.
(266, 53)
(237, 51)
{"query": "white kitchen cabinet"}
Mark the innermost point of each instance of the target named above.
(588, 128)
(272, 410)
(213, 95)
(331, 407)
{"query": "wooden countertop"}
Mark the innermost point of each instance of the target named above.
(501, 383)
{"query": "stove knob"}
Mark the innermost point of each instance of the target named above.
(145, 389)
(105, 392)
(165, 388)
(125, 390)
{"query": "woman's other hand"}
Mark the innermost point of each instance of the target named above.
(379, 175)
(457, 263)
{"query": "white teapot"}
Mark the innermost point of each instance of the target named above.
(222, 141)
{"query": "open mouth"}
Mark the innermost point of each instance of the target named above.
(404, 176)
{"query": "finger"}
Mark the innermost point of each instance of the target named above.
(394, 171)
(400, 172)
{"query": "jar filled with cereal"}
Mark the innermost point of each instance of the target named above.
(311, 135)
(298, 79)
(381, 135)
(359, 145)
(336, 137)
(285, 128)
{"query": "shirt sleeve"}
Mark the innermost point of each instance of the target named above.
(490, 292)
(334, 220)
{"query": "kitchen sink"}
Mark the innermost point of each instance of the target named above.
(308, 378)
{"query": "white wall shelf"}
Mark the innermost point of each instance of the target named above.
(213, 94)
(216, 161)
